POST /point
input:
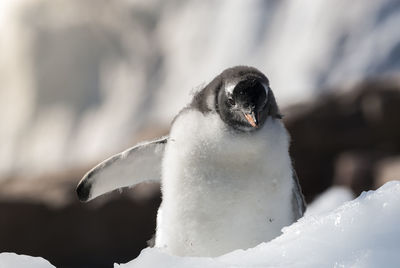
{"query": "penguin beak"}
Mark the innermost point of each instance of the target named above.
(251, 118)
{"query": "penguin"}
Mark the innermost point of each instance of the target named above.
(227, 179)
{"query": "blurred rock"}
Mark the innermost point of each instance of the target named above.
(355, 170)
(54, 190)
(363, 119)
(42, 217)
(386, 170)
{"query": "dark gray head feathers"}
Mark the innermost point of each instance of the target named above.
(242, 97)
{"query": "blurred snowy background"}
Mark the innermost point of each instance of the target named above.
(81, 80)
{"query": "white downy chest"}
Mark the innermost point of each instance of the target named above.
(223, 190)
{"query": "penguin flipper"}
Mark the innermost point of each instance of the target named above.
(130, 167)
(298, 202)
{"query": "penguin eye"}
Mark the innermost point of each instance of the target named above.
(231, 101)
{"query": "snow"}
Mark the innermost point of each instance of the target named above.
(359, 233)
(8, 260)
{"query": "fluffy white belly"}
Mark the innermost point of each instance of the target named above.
(223, 190)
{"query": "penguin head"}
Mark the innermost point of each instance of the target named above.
(244, 98)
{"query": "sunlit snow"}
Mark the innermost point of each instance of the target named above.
(12, 260)
(360, 233)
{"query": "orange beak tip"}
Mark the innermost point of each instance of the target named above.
(250, 118)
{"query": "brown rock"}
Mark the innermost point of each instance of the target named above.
(365, 118)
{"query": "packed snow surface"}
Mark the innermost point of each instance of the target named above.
(12, 260)
(360, 233)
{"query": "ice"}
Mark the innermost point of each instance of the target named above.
(359, 233)
(8, 260)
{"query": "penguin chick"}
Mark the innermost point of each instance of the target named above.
(227, 179)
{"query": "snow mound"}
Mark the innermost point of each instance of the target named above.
(360, 233)
(8, 260)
